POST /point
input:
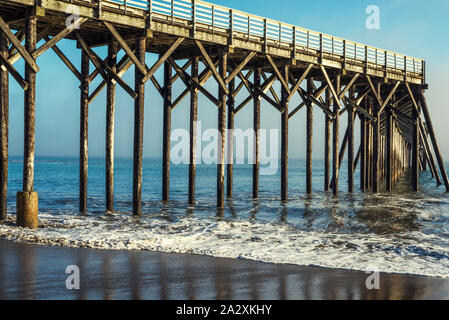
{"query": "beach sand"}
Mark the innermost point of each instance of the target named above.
(38, 272)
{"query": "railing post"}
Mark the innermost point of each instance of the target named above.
(265, 35)
(308, 40)
(249, 26)
(321, 48)
(193, 18)
(213, 19)
(366, 59)
(150, 13)
(344, 54)
(231, 27)
(280, 34)
(386, 63)
(294, 43)
(172, 11)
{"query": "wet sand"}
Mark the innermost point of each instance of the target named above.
(38, 272)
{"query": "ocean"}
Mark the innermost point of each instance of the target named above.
(398, 232)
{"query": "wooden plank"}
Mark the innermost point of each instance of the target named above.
(390, 95)
(102, 67)
(188, 81)
(240, 67)
(64, 59)
(14, 73)
(349, 85)
(331, 87)
(16, 43)
(61, 35)
(283, 81)
(210, 65)
(142, 68)
(162, 59)
(300, 80)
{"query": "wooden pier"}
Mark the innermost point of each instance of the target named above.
(383, 89)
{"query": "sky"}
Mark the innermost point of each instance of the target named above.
(412, 27)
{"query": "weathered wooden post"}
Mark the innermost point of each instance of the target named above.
(256, 127)
(84, 128)
(390, 152)
(223, 66)
(284, 138)
(193, 130)
(309, 138)
(351, 143)
(327, 141)
(110, 122)
(415, 152)
(27, 200)
(376, 145)
(363, 152)
(4, 128)
(166, 132)
(230, 139)
(335, 138)
(138, 128)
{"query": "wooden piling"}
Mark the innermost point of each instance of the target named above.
(376, 148)
(335, 138)
(350, 112)
(284, 138)
(84, 129)
(415, 152)
(110, 123)
(256, 127)
(436, 147)
(30, 108)
(166, 132)
(230, 139)
(193, 130)
(223, 66)
(327, 141)
(4, 128)
(390, 153)
(138, 128)
(363, 152)
(309, 138)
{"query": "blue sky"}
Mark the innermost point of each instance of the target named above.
(411, 27)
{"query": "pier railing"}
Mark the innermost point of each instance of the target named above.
(235, 22)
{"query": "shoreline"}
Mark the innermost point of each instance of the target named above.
(30, 271)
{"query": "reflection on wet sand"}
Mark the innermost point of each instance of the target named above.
(34, 272)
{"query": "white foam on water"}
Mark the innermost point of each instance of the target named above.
(411, 253)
